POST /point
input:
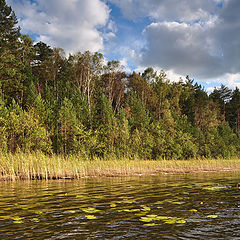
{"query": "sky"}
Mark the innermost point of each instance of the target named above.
(199, 38)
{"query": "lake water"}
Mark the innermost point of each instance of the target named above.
(190, 206)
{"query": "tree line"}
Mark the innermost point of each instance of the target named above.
(82, 105)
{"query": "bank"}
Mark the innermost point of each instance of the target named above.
(22, 166)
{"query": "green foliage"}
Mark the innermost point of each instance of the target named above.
(11, 65)
(23, 131)
(140, 118)
(79, 105)
(70, 131)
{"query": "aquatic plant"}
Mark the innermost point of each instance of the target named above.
(39, 166)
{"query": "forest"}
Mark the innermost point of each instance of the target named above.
(82, 105)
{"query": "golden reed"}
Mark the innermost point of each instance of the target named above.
(23, 166)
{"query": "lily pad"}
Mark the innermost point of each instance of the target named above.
(146, 219)
(99, 197)
(214, 188)
(5, 217)
(17, 219)
(150, 224)
(159, 202)
(162, 218)
(39, 212)
(151, 216)
(145, 208)
(193, 210)
(212, 216)
(80, 196)
(129, 210)
(90, 210)
(166, 219)
(90, 217)
(35, 220)
(173, 220)
(71, 211)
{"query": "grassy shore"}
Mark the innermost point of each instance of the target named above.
(38, 166)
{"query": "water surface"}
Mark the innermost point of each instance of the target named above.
(189, 206)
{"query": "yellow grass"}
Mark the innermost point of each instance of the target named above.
(39, 166)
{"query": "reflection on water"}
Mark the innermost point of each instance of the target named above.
(191, 206)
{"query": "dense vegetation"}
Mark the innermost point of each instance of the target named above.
(82, 105)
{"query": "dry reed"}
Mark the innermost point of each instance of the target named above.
(39, 166)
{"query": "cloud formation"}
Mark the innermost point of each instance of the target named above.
(165, 10)
(200, 38)
(72, 24)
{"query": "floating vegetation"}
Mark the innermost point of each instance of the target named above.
(79, 196)
(17, 219)
(151, 216)
(175, 220)
(90, 210)
(97, 197)
(145, 208)
(71, 211)
(147, 219)
(5, 217)
(165, 219)
(124, 198)
(150, 224)
(172, 201)
(178, 203)
(159, 202)
(133, 210)
(214, 188)
(39, 212)
(36, 220)
(130, 210)
(212, 216)
(128, 201)
(193, 210)
(90, 217)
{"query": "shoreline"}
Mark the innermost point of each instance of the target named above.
(38, 166)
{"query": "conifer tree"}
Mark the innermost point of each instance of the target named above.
(11, 66)
(233, 111)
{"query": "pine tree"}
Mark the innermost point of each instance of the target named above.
(233, 111)
(11, 65)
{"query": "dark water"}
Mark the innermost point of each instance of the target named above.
(191, 206)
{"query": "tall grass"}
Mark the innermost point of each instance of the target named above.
(39, 166)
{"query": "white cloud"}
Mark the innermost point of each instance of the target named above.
(184, 48)
(108, 36)
(210, 89)
(112, 26)
(171, 75)
(230, 80)
(233, 80)
(200, 38)
(165, 10)
(124, 63)
(72, 24)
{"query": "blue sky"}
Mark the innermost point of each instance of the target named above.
(199, 38)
